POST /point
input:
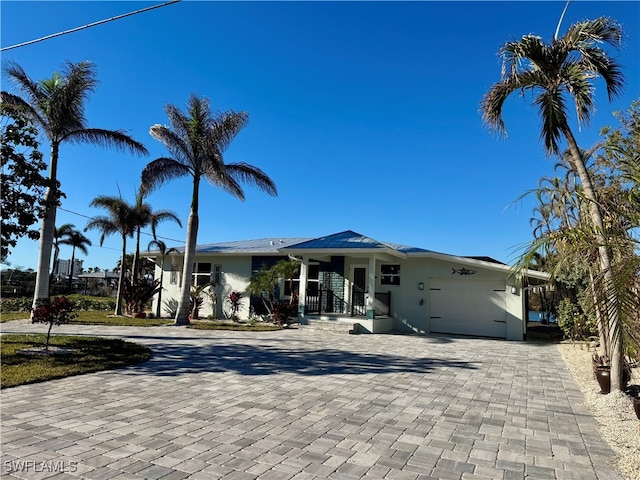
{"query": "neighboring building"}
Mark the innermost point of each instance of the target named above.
(98, 282)
(63, 267)
(415, 290)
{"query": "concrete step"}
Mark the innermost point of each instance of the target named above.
(331, 326)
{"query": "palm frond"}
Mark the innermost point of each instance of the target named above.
(226, 126)
(251, 175)
(104, 224)
(116, 139)
(23, 108)
(161, 170)
(175, 143)
(554, 119)
(24, 82)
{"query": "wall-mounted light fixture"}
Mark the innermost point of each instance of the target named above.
(421, 286)
(514, 290)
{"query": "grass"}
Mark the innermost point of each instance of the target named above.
(84, 355)
(8, 316)
(242, 327)
(97, 317)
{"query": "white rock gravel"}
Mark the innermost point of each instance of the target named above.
(614, 412)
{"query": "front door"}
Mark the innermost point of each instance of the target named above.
(359, 291)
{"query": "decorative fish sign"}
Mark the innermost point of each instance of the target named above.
(463, 271)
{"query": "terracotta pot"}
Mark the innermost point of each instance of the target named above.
(636, 406)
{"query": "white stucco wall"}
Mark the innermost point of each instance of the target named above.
(235, 274)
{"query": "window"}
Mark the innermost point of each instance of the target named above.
(390, 274)
(201, 274)
(217, 274)
(313, 279)
(173, 275)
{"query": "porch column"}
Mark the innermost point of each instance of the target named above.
(302, 294)
(371, 311)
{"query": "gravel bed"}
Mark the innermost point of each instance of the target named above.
(614, 412)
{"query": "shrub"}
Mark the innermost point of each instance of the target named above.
(56, 311)
(234, 304)
(573, 322)
(284, 312)
(20, 304)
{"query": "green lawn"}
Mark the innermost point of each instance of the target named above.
(81, 355)
(97, 317)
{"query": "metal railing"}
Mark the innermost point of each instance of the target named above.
(326, 301)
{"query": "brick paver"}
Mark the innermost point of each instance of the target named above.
(301, 404)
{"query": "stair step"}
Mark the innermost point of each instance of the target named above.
(331, 326)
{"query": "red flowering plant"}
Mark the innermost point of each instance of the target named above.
(56, 311)
(234, 303)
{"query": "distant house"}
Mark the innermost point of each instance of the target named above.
(381, 287)
(95, 282)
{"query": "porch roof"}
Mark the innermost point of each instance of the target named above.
(349, 241)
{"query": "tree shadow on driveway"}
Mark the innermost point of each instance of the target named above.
(243, 359)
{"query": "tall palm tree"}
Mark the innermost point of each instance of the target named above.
(147, 217)
(76, 240)
(554, 73)
(56, 106)
(162, 248)
(121, 219)
(197, 140)
(59, 234)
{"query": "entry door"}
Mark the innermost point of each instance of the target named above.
(359, 291)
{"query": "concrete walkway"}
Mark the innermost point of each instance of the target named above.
(300, 404)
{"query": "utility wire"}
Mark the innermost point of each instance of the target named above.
(88, 25)
(143, 233)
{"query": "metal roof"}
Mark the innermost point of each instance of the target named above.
(346, 240)
(261, 245)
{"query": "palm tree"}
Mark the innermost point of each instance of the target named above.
(147, 217)
(121, 219)
(197, 141)
(56, 106)
(554, 72)
(162, 248)
(59, 234)
(76, 240)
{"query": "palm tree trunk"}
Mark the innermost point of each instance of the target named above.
(182, 315)
(73, 258)
(603, 330)
(136, 259)
(609, 295)
(47, 230)
(159, 304)
(56, 254)
(121, 276)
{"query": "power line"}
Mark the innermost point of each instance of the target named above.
(143, 233)
(88, 25)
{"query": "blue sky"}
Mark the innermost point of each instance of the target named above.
(365, 114)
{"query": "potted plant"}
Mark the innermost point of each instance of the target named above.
(602, 372)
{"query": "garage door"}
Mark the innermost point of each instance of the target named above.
(468, 307)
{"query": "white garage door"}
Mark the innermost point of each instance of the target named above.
(468, 307)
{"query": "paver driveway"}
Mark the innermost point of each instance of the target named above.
(301, 404)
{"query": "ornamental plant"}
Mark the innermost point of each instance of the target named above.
(234, 303)
(54, 311)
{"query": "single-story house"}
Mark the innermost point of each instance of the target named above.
(349, 277)
(93, 282)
